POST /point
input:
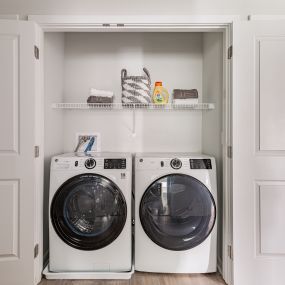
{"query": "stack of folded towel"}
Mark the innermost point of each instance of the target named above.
(185, 96)
(100, 96)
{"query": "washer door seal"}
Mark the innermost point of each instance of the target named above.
(88, 211)
(177, 212)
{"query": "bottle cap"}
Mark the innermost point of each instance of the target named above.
(158, 83)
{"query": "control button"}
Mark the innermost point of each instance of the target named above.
(162, 163)
(90, 163)
(176, 163)
(76, 163)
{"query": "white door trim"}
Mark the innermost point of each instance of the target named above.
(77, 23)
(73, 23)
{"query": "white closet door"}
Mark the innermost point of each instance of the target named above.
(259, 152)
(18, 89)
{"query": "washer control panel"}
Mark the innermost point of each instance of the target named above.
(176, 163)
(200, 164)
(82, 163)
(117, 163)
(90, 163)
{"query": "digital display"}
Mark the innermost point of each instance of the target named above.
(200, 164)
(111, 163)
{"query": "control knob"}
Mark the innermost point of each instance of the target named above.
(176, 163)
(90, 163)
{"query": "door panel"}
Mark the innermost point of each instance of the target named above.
(9, 109)
(271, 91)
(9, 211)
(17, 162)
(271, 220)
(258, 152)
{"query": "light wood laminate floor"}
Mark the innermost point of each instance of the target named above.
(140, 278)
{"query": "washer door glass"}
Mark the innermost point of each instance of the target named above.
(177, 212)
(88, 212)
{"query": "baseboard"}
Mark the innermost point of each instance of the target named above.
(220, 265)
(45, 258)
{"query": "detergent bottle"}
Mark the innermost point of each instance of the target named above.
(160, 94)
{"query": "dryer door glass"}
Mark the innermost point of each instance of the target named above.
(88, 212)
(177, 212)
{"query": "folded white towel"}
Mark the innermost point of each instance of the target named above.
(185, 101)
(101, 93)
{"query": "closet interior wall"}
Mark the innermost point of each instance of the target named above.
(96, 60)
(53, 120)
(75, 62)
(212, 122)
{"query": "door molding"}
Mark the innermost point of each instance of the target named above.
(175, 23)
(77, 23)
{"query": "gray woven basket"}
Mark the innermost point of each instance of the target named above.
(136, 89)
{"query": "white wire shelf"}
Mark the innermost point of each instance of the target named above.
(130, 106)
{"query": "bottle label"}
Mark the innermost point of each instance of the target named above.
(159, 97)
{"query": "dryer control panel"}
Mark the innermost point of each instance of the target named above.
(179, 163)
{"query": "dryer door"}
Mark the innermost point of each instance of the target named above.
(177, 212)
(88, 212)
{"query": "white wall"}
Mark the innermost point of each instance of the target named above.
(53, 90)
(212, 121)
(96, 60)
(240, 7)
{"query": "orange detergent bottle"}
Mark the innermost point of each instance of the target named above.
(160, 94)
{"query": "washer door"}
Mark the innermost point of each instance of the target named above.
(88, 212)
(177, 212)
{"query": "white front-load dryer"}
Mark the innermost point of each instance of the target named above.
(90, 213)
(175, 213)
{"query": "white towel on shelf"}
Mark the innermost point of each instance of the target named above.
(101, 93)
(185, 101)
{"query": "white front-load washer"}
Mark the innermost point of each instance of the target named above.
(175, 213)
(90, 213)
